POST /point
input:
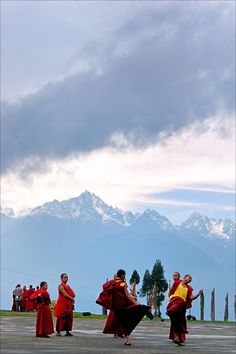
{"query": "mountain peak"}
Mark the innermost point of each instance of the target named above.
(152, 216)
(210, 227)
(195, 214)
(87, 207)
(88, 195)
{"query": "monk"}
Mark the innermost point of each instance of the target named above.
(44, 323)
(30, 304)
(125, 312)
(64, 307)
(176, 276)
(181, 297)
(24, 297)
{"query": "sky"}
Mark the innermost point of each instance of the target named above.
(134, 101)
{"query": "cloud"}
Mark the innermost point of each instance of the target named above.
(159, 71)
(133, 177)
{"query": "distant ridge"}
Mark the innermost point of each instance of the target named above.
(89, 208)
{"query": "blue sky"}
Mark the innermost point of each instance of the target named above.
(212, 203)
(134, 101)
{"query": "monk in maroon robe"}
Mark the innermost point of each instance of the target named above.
(44, 323)
(125, 312)
(24, 297)
(30, 304)
(180, 299)
(64, 307)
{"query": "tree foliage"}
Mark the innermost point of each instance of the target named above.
(135, 277)
(157, 277)
(146, 285)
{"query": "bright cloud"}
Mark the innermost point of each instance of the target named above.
(198, 155)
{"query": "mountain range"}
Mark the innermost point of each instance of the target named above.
(89, 208)
(90, 240)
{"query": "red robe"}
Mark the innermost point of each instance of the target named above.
(24, 298)
(64, 310)
(124, 316)
(176, 310)
(44, 323)
(30, 304)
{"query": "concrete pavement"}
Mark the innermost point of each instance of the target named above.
(150, 337)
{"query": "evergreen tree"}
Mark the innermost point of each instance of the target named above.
(159, 280)
(146, 285)
(135, 278)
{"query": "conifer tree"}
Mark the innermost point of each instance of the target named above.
(135, 277)
(161, 284)
(146, 286)
(134, 280)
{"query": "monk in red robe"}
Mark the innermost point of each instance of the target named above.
(64, 307)
(180, 299)
(30, 304)
(24, 297)
(125, 312)
(44, 323)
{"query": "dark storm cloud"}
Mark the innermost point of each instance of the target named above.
(161, 71)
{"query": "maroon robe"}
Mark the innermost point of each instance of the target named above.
(64, 310)
(30, 304)
(24, 298)
(44, 323)
(124, 316)
(176, 310)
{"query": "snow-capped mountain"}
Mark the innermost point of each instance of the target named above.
(154, 218)
(90, 209)
(91, 240)
(87, 208)
(210, 227)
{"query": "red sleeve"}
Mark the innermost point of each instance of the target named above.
(35, 295)
(189, 297)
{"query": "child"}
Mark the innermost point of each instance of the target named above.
(44, 323)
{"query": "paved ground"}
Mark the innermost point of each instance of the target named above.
(150, 337)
